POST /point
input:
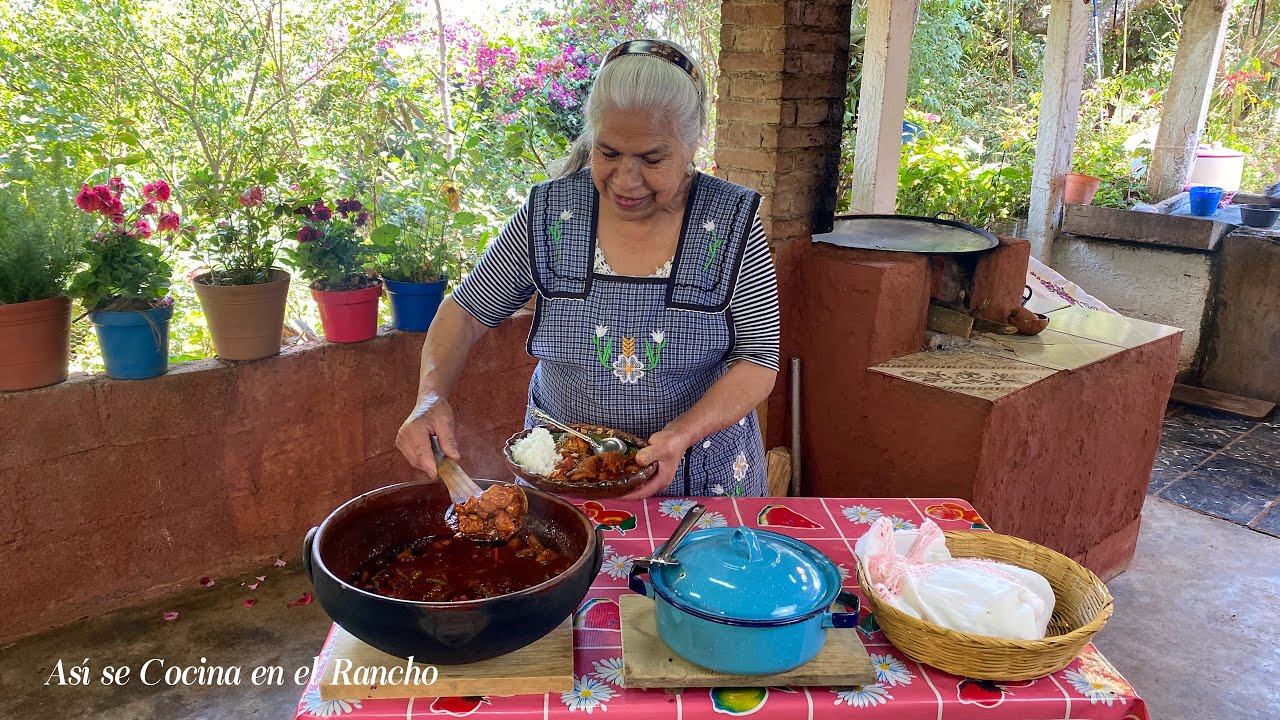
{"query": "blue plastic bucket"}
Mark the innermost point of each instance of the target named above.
(135, 343)
(414, 305)
(1205, 199)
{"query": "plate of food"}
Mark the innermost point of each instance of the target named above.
(556, 461)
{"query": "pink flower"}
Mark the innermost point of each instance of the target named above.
(308, 234)
(322, 211)
(114, 207)
(87, 200)
(169, 221)
(117, 218)
(149, 209)
(304, 600)
(250, 602)
(295, 188)
(251, 197)
(116, 185)
(158, 190)
(170, 615)
(931, 117)
(142, 229)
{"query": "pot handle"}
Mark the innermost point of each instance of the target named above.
(307, 544)
(638, 584)
(844, 619)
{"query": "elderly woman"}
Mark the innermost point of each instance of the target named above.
(657, 309)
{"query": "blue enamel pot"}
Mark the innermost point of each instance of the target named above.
(744, 601)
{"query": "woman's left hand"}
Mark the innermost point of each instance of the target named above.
(666, 447)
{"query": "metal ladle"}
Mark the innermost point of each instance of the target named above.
(609, 444)
(663, 555)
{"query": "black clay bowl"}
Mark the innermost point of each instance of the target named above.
(444, 633)
(1259, 215)
(584, 490)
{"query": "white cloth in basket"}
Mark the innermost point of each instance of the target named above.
(914, 572)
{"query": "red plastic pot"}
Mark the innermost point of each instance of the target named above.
(349, 315)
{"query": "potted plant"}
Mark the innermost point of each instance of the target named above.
(242, 292)
(1079, 188)
(125, 282)
(331, 255)
(418, 251)
(41, 242)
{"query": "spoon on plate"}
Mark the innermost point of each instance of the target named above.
(599, 447)
(492, 515)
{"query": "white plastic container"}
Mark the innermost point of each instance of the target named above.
(1217, 167)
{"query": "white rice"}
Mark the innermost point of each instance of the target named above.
(536, 452)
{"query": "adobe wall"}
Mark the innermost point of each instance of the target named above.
(115, 492)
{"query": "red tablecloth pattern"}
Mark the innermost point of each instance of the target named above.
(1089, 689)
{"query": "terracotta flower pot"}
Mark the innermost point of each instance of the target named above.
(349, 315)
(1080, 189)
(35, 343)
(246, 321)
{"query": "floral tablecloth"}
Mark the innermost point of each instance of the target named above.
(1089, 689)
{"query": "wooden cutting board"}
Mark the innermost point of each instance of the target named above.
(647, 662)
(546, 666)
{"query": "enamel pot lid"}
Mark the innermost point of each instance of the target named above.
(747, 577)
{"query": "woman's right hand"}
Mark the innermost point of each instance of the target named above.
(432, 416)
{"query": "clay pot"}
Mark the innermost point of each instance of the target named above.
(35, 343)
(1027, 322)
(1080, 189)
(246, 321)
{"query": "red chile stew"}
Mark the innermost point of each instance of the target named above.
(445, 569)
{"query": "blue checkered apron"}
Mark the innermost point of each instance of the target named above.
(634, 353)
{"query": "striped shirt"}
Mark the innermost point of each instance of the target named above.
(502, 283)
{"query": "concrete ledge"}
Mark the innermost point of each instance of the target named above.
(116, 492)
(1185, 233)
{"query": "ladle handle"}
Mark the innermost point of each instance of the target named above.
(690, 519)
(461, 486)
(538, 414)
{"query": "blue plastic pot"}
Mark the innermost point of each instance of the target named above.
(745, 602)
(414, 305)
(135, 343)
(1205, 199)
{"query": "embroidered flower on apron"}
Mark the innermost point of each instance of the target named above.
(714, 246)
(628, 367)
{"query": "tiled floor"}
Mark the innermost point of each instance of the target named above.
(1221, 465)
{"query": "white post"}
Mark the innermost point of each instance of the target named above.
(1186, 104)
(882, 100)
(1064, 58)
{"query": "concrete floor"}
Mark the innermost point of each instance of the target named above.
(1196, 630)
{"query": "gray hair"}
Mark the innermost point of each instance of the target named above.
(641, 82)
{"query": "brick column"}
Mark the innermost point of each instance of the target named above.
(783, 65)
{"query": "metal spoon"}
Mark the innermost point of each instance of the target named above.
(609, 444)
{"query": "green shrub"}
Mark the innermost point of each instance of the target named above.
(42, 238)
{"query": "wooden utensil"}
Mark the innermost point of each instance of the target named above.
(462, 488)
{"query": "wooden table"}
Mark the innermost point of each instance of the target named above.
(1089, 689)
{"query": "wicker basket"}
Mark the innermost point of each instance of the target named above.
(1083, 606)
